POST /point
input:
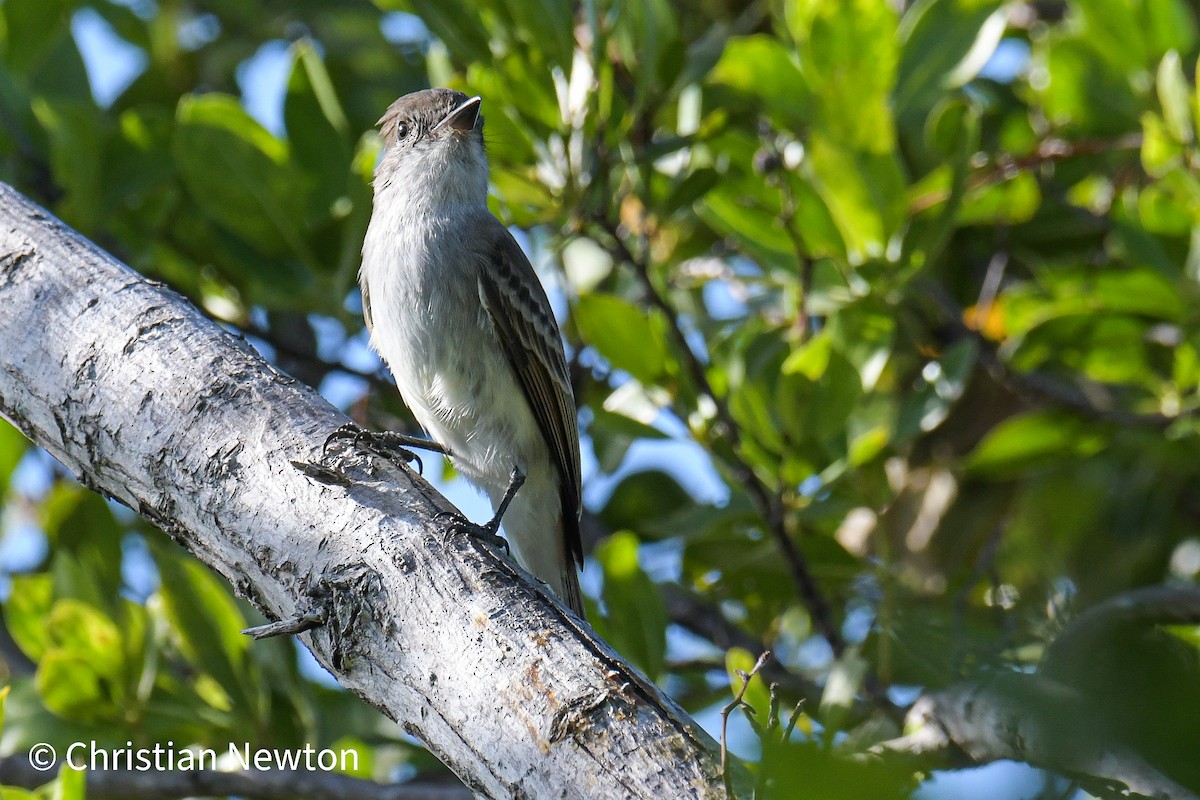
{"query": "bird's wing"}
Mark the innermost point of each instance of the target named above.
(517, 305)
(366, 303)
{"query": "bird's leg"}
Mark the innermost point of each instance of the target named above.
(386, 444)
(489, 531)
(515, 481)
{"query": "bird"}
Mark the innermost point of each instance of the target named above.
(456, 311)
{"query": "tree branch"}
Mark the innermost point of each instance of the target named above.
(134, 391)
(1149, 605)
(768, 503)
(1024, 718)
(706, 621)
(1049, 151)
(1043, 720)
(1033, 387)
(15, 770)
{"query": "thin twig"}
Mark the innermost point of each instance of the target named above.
(768, 503)
(792, 720)
(1006, 167)
(738, 700)
(983, 565)
(284, 627)
(769, 162)
(1033, 387)
(705, 620)
(804, 263)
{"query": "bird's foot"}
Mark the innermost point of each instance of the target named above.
(488, 532)
(484, 533)
(389, 445)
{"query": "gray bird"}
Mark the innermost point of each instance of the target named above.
(457, 313)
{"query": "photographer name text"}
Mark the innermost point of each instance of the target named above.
(93, 755)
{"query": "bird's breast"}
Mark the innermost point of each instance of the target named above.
(430, 327)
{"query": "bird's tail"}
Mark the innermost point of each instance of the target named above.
(570, 588)
(547, 558)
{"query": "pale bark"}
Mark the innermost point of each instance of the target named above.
(1024, 718)
(145, 400)
(1038, 718)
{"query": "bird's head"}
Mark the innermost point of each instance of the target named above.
(433, 145)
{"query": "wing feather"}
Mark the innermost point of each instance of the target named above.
(517, 304)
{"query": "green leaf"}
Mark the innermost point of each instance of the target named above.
(317, 128)
(77, 140)
(1084, 292)
(1137, 291)
(25, 611)
(865, 333)
(849, 64)
(1134, 36)
(547, 27)
(1028, 440)
(636, 622)
(1196, 96)
(944, 44)
(745, 208)
(814, 409)
(758, 693)
(206, 621)
(687, 191)
(1007, 203)
(760, 67)
(1168, 207)
(1161, 151)
(628, 337)
(456, 22)
(87, 544)
(70, 687)
(646, 33)
(1175, 96)
(643, 497)
(865, 194)
(80, 630)
(40, 48)
(14, 793)
(70, 785)
(239, 174)
(12, 448)
(1083, 88)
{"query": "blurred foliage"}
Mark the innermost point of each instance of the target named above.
(918, 281)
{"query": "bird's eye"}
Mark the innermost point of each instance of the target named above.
(401, 130)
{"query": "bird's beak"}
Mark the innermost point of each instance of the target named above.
(463, 118)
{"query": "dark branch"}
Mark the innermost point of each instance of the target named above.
(768, 503)
(15, 770)
(1033, 387)
(1049, 151)
(1151, 605)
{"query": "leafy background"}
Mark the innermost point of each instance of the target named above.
(882, 318)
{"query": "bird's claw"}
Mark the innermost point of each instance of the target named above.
(392, 447)
(484, 533)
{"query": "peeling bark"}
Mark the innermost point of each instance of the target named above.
(146, 401)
